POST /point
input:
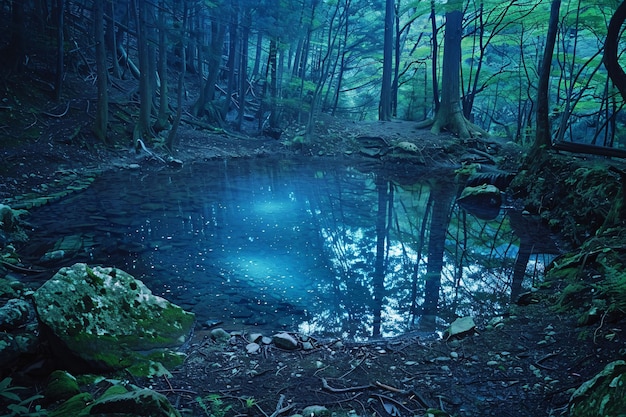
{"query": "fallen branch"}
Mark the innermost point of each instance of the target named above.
(350, 389)
(21, 269)
(397, 403)
(152, 154)
(58, 115)
(279, 407)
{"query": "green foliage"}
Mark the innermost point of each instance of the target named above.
(15, 405)
(213, 405)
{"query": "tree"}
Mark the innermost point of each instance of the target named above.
(384, 109)
(102, 112)
(60, 14)
(450, 115)
(543, 133)
(615, 70)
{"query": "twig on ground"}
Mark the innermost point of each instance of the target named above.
(545, 358)
(279, 407)
(332, 389)
(382, 397)
(58, 115)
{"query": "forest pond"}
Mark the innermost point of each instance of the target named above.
(321, 248)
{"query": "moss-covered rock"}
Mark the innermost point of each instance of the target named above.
(108, 318)
(61, 386)
(603, 395)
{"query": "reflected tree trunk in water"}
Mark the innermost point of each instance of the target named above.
(442, 201)
(384, 195)
(416, 269)
(520, 226)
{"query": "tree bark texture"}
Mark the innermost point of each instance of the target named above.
(543, 132)
(450, 114)
(384, 108)
(616, 72)
(102, 111)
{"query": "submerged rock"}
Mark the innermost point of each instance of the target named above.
(107, 318)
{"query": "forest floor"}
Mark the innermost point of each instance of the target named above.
(527, 364)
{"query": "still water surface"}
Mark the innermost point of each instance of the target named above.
(320, 248)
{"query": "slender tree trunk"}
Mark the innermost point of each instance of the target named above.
(615, 70)
(272, 72)
(172, 138)
(102, 111)
(384, 108)
(112, 41)
(543, 132)
(17, 43)
(232, 54)
(243, 64)
(162, 121)
(435, 51)
(257, 55)
(58, 81)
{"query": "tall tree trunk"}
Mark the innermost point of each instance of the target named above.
(396, 62)
(102, 111)
(543, 132)
(162, 121)
(243, 64)
(232, 54)
(207, 94)
(112, 41)
(146, 68)
(172, 138)
(450, 115)
(615, 70)
(384, 108)
(273, 122)
(435, 51)
(60, 17)
(17, 44)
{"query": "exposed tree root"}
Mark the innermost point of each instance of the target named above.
(454, 121)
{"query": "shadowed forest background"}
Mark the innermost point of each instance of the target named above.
(259, 66)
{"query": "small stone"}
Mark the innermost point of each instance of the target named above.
(492, 363)
(253, 348)
(134, 166)
(445, 368)
(255, 337)
(285, 341)
(454, 355)
(220, 335)
(307, 346)
(266, 340)
(316, 411)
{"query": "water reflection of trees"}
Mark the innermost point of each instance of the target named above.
(406, 256)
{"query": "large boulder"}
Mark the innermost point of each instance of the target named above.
(18, 331)
(108, 319)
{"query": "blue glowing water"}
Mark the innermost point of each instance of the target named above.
(282, 244)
